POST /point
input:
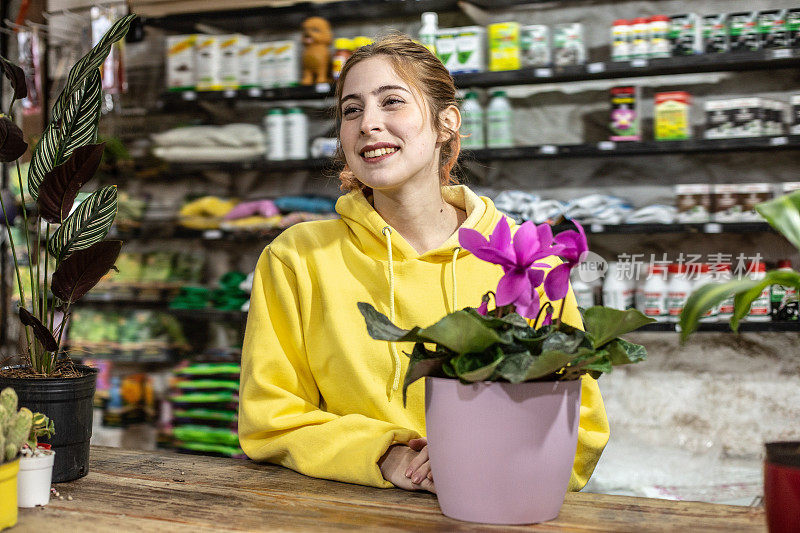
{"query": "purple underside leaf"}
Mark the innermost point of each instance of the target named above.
(81, 271)
(40, 331)
(556, 284)
(12, 143)
(16, 76)
(60, 186)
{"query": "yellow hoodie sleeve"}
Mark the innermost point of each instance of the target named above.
(593, 431)
(280, 420)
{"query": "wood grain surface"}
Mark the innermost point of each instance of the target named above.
(133, 490)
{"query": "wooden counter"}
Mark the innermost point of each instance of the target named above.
(131, 490)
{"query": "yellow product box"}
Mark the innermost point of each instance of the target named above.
(180, 62)
(672, 121)
(504, 46)
(229, 46)
(207, 63)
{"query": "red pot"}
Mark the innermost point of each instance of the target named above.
(782, 487)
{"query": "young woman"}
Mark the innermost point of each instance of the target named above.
(318, 395)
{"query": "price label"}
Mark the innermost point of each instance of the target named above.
(712, 228)
(781, 53)
(212, 234)
(106, 296)
(597, 228)
(606, 145)
(548, 149)
(254, 92)
(779, 141)
(638, 63)
(323, 87)
(229, 93)
(596, 68)
(189, 95)
(543, 73)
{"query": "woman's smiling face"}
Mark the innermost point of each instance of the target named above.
(386, 131)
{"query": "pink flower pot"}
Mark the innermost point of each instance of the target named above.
(502, 453)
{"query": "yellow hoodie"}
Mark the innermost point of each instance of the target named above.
(317, 394)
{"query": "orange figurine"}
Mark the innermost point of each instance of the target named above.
(317, 37)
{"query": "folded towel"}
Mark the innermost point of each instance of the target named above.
(185, 154)
(231, 135)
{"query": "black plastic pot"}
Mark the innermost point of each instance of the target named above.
(68, 403)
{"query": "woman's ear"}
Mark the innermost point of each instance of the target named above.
(450, 119)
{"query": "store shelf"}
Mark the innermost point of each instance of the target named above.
(724, 327)
(108, 300)
(707, 228)
(170, 230)
(727, 62)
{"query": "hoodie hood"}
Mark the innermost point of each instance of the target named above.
(367, 225)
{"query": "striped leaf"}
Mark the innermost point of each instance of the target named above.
(77, 127)
(90, 63)
(87, 225)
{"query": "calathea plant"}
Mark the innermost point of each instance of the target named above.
(63, 161)
(518, 340)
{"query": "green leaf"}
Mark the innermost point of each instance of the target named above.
(783, 213)
(81, 271)
(604, 324)
(564, 342)
(380, 328)
(90, 63)
(706, 297)
(423, 363)
(744, 299)
(87, 225)
(461, 333)
(16, 76)
(61, 185)
(514, 367)
(601, 365)
(40, 331)
(552, 361)
(77, 127)
(512, 319)
(622, 352)
(472, 367)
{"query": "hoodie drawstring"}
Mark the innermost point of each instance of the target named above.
(387, 231)
(455, 285)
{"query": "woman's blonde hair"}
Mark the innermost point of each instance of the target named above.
(423, 71)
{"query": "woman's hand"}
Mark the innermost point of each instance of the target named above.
(401, 465)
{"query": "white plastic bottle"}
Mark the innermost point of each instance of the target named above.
(427, 34)
(780, 295)
(621, 40)
(704, 278)
(584, 294)
(296, 128)
(276, 135)
(640, 38)
(472, 122)
(617, 291)
(654, 294)
(499, 133)
(760, 308)
(725, 308)
(680, 286)
(660, 45)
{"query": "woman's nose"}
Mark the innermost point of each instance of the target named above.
(370, 120)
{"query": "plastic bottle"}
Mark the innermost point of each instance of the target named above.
(679, 288)
(760, 308)
(621, 40)
(296, 128)
(725, 308)
(499, 133)
(654, 294)
(276, 135)
(704, 278)
(659, 37)
(780, 295)
(584, 294)
(640, 38)
(472, 122)
(617, 291)
(427, 34)
(344, 49)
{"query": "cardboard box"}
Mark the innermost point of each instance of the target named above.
(504, 46)
(207, 67)
(685, 34)
(672, 116)
(180, 69)
(469, 56)
(625, 114)
(535, 45)
(743, 31)
(569, 47)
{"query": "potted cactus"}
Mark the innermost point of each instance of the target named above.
(73, 255)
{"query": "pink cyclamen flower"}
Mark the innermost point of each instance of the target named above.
(483, 309)
(518, 258)
(573, 246)
(548, 316)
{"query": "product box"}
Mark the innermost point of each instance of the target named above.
(743, 31)
(685, 34)
(748, 117)
(715, 34)
(265, 61)
(719, 120)
(775, 113)
(693, 202)
(180, 62)
(625, 116)
(229, 71)
(248, 66)
(772, 28)
(789, 186)
(446, 47)
(207, 63)
(569, 47)
(750, 195)
(469, 54)
(725, 202)
(504, 46)
(672, 116)
(793, 27)
(535, 44)
(287, 63)
(795, 121)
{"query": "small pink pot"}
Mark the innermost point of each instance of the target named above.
(502, 453)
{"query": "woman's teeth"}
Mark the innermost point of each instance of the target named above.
(379, 152)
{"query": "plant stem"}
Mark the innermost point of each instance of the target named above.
(561, 312)
(16, 268)
(542, 309)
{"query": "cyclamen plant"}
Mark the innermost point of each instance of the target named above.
(513, 342)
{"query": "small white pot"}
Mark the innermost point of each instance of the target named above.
(33, 480)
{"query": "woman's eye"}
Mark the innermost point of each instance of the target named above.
(393, 101)
(349, 111)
